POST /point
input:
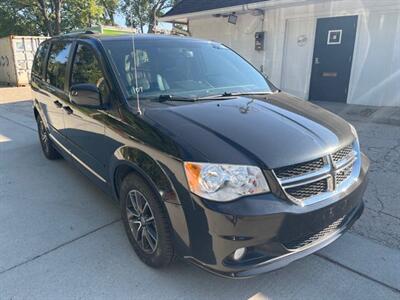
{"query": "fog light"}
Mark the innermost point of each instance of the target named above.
(239, 253)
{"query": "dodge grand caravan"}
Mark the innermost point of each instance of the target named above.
(207, 159)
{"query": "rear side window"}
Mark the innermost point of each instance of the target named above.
(38, 62)
(57, 64)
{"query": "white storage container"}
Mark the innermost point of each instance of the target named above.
(16, 57)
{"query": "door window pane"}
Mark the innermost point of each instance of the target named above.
(86, 68)
(57, 64)
(38, 62)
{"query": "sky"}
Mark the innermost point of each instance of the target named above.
(120, 21)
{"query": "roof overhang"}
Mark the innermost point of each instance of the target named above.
(183, 18)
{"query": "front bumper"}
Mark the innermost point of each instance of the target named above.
(274, 232)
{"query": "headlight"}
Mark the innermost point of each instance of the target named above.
(221, 182)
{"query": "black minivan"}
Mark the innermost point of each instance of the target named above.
(208, 160)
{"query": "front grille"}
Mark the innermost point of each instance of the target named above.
(299, 169)
(343, 174)
(342, 153)
(302, 182)
(308, 190)
(324, 233)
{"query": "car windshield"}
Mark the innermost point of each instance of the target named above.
(181, 67)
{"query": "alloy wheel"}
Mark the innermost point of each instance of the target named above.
(141, 221)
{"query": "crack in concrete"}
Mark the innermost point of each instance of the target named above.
(18, 123)
(372, 238)
(388, 160)
(384, 213)
(396, 150)
(374, 190)
(59, 246)
(357, 272)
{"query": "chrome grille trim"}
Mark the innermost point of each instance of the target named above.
(345, 161)
(340, 170)
(343, 174)
(307, 176)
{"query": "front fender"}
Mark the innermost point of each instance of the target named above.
(163, 180)
(148, 168)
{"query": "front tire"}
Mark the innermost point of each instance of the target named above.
(47, 145)
(146, 222)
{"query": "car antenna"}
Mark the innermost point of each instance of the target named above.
(136, 90)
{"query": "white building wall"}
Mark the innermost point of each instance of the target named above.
(375, 76)
(239, 37)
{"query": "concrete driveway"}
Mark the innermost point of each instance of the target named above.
(61, 237)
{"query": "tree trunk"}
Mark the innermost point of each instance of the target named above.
(57, 12)
(110, 20)
(155, 11)
(152, 20)
(151, 28)
(110, 12)
(47, 22)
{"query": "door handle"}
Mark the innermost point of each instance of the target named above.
(58, 103)
(68, 110)
(316, 61)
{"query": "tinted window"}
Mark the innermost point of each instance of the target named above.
(86, 69)
(38, 62)
(57, 64)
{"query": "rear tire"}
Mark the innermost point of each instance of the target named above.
(47, 145)
(146, 222)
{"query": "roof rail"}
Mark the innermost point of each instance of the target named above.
(102, 29)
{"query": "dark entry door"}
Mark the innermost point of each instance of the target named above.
(333, 55)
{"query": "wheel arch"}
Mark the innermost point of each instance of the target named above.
(126, 160)
(38, 112)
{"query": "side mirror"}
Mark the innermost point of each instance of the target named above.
(86, 95)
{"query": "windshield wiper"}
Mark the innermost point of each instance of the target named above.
(163, 98)
(251, 93)
(217, 97)
(225, 95)
(229, 95)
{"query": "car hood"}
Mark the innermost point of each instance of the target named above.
(279, 131)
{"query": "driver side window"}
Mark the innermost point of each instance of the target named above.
(86, 69)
